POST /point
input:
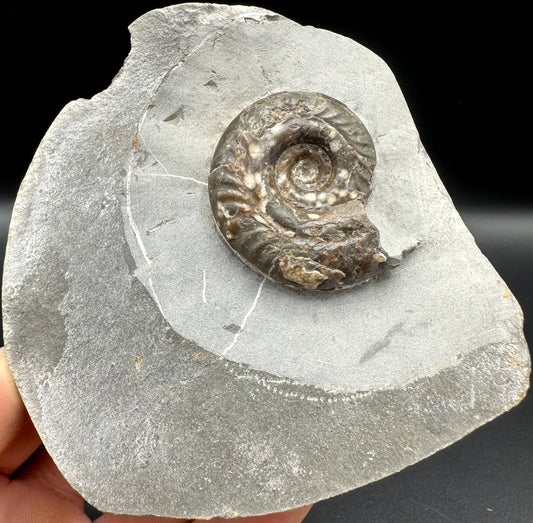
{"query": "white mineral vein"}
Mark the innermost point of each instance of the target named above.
(165, 170)
(245, 319)
(166, 174)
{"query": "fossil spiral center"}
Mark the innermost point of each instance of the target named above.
(307, 166)
(289, 181)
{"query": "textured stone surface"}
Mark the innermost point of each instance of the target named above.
(150, 356)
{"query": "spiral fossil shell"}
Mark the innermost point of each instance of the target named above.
(288, 185)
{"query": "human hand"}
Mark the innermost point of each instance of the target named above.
(32, 490)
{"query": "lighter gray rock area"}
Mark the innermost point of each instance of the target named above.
(164, 376)
(201, 287)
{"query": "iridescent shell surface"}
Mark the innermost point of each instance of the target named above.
(288, 185)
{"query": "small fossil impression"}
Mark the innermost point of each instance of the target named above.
(288, 185)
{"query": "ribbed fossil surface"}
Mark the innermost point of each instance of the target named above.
(289, 181)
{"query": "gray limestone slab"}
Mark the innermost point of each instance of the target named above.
(165, 376)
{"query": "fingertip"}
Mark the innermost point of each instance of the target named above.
(115, 518)
(18, 437)
(296, 515)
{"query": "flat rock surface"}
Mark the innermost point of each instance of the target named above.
(145, 350)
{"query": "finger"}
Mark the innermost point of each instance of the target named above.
(40, 470)
(41, 474)
(38, 492)
(113, 518)
(18, 437)
(291, 516)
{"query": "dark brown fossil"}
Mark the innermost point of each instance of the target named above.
(289, 181)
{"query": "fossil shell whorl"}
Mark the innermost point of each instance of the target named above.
(288, 184)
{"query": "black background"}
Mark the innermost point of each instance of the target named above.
(463, 73)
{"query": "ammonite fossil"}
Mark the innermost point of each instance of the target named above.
(289, 181)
